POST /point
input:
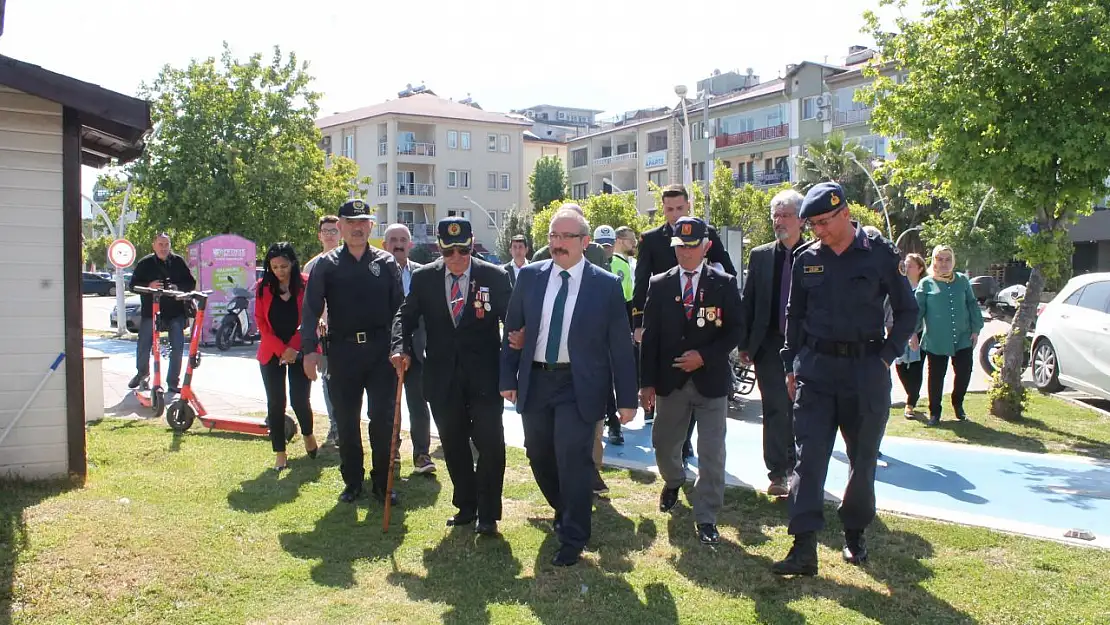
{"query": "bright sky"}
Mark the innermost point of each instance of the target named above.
(601, 54)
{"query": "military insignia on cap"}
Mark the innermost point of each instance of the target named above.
(686, 229)
(358, 204)
(375, 269)
(454, 230)
(834, 199)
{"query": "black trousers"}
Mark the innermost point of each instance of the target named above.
(778, 411)
(357, 369)
(465, 412)
(274, 375)
(910, 374)
(938, 367)
(559, 444)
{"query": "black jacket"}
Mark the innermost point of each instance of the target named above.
(668, 333)
(474, 345)
(655, 256)
(174, 274)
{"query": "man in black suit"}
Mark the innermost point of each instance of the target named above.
(764, 314)
(691, 322)
(518, 248)
(462, 301)
(656, 256)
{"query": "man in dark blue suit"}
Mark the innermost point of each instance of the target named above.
(571, 311)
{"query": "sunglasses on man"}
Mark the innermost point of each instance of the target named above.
(450, 251)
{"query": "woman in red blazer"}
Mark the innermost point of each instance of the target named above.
(277, 314)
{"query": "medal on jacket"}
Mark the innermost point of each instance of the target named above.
(701, 317)
(375, 269)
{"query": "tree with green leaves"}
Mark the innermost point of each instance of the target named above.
(237, 152)
(518, 221)
(977, 243)
(1009, 94)
(541, 222)
(836, 159)
(613, 209)
(548, 182)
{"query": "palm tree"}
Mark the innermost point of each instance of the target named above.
(830, 159)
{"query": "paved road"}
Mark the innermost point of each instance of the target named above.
(96, 312)
(1036, 494)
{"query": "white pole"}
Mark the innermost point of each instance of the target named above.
(889, 230)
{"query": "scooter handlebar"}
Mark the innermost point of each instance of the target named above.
(180, 295)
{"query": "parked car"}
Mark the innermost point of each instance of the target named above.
(134, 313)
(92, 284)
(1071, 346)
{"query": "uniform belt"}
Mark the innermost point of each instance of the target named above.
(846, 349)
(551, 366)
(352, 337)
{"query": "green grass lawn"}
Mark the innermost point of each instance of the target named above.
(1050, 425)
(195, 529)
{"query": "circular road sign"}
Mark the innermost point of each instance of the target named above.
(121, 253)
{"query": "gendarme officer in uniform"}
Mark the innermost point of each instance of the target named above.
(361, 287)
(838, 365)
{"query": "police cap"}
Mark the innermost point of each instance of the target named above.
(605, 235)
(689, 232)
(822, 198)
(355, 209)
(455, 232)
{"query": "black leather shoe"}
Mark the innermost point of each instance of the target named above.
(350, 494)
(855, 549)
(708, 534)
(136, 381)
(566, 556)
(668, 499)
(461, 519)
(616, 437)
(486, 528)
(802, 558)
(379, 494)
(961, 414)
(933, 420)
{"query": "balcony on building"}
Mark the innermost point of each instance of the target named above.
(617, 150)
(415, 141)
(761, 178)
(616, 182)
(852, 117)
(770, 133)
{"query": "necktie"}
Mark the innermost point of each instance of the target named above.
(784, 289)
(555, 330)
(457, 300)
(688, 294)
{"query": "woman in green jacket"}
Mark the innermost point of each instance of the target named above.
(951, 321)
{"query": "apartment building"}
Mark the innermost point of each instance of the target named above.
(535, 148)
(430, 158)
(561, 115)
(623, 158)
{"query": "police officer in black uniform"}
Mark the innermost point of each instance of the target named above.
(361, 287)
(839, 368)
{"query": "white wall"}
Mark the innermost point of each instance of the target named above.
(32, 324)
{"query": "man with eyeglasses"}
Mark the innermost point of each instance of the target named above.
(327, 232)
(764, 313)
(462, 301)
(838, 354)
(559, 380)
(593, 253)
(361, 287)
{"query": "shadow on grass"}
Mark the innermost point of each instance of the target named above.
(269, 489)
(896, 563)
(19, 496)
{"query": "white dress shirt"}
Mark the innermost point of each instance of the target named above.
(517, 268)
(554, 283)
(697, 279)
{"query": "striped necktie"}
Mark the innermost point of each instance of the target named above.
(457, 300)
(688, 294)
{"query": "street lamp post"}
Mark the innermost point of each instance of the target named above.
(612, 185)
(687, 143)
(866, 172)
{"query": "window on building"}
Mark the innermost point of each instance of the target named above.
(459, 212)
(465, 139)
(491, 143)
(809, 108)
(657, 141)
(452, 139)
(491, 220)
(349, 146)
(504, 182)
(504, 143)
(579, 158)
(452, 179)
(580, 191)
(464, 179)
(658, 178)
(406, 217)
(491, 181)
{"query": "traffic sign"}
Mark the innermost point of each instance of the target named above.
(121, 253)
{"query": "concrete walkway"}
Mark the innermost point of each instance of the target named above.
(1042, 495)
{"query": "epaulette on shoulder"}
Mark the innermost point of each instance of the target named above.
(798, 251)
(882, 242)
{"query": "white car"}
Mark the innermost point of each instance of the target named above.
(1071, 346)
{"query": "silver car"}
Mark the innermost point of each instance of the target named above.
(134, 313)
(1071, 346)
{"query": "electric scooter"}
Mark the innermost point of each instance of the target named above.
(187, 407)
(153, 396)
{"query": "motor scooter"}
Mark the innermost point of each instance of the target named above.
(998, 305)
(235, 328)
(187, 408)
(153, 396)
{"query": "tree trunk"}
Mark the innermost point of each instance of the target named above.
(1007, 391)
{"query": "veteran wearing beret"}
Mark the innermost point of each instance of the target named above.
(837, 355)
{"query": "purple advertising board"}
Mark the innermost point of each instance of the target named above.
(221, 264)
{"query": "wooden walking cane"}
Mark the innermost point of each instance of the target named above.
(393, 448)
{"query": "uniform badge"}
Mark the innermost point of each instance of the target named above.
(834, 200)
(701, 322)
(718, 323)
(487, 307)
(477, 304)
(454, 229)
(808, 269)
(711, 314)
(375, 269)
(686, 229)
